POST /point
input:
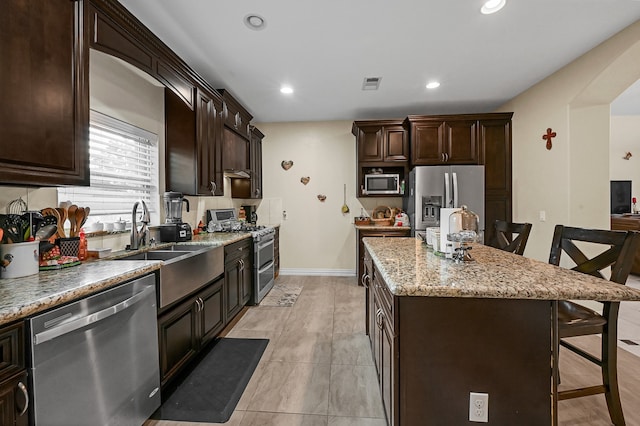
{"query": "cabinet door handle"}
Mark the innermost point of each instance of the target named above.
(362, 280)
(257, 191)
(23, 389)
(213, 187)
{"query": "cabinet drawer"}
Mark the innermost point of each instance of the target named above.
(236, 250)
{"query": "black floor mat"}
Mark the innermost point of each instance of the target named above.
(211, 391)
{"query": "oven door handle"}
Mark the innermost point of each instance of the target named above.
(265, 267)
(264, 243)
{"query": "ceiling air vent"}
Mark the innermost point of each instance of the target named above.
(371, 83)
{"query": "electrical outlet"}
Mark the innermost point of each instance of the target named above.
(478, 407)
(543, 216)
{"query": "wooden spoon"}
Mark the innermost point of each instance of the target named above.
(63, 218)
(80, 218)
(71, 213)
(87, 210)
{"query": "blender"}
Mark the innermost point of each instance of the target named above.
(174, 230)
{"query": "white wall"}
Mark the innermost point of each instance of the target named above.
(569, 182)
(625, 137)
(315, 238)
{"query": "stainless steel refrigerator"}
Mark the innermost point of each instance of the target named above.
(434, 187)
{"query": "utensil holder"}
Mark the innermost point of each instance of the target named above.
(69, 246)
(19, 259)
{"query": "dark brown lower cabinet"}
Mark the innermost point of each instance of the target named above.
(186, 328)
(238, 275)
(13, 401)
(13, 377)
(381, 334)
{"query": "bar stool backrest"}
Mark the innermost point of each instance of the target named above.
(504, 236)
(620, 254)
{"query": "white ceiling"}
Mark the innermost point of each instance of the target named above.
(324, 49)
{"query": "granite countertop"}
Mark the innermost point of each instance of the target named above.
(25, 296)
(409, 268)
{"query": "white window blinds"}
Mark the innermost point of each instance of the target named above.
(123, 169)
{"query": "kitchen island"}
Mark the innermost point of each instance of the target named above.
(440, 330)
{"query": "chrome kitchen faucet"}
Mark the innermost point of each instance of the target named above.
(138, 236)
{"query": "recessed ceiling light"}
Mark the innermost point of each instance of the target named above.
(287, 90)
(492, 6)
(255, 22)
(433, 85)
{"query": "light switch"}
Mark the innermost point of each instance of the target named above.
(543, 216)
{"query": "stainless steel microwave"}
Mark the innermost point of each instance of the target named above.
(382, 184)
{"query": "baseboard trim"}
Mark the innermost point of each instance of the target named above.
(319, 272)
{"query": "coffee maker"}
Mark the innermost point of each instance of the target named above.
(174, 230)
(250, 212)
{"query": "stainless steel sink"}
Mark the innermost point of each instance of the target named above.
(185, 269)
(156, 255)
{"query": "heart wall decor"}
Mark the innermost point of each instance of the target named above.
(305, 180)
(287, 164)
(322, 197)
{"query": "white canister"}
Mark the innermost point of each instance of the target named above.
(436, 241)
(430, 233)
(19, 259)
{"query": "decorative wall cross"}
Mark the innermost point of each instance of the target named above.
(548, 137)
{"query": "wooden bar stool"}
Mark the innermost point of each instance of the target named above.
(504, 236)
(577, 320)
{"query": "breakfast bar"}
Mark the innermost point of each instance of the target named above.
(441, 330)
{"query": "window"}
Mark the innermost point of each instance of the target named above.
(123, 169)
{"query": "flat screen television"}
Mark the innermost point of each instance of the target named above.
(620, 196)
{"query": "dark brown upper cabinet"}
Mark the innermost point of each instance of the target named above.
(251, 188)
(210, 180)
(381, 145)
(44, 81)
(381, 141)
(236, 150)
(193, 144)
(436, 140)
(235, 116)
(255, 163)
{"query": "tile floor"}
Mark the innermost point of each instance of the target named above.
(318, 370)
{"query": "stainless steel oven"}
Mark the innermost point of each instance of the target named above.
(263, 262)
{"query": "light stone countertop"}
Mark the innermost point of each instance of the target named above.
(26, 296)
(409, 268)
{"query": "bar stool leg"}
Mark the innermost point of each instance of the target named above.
(609, 374)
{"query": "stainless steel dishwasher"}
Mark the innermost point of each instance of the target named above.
(95, 361)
